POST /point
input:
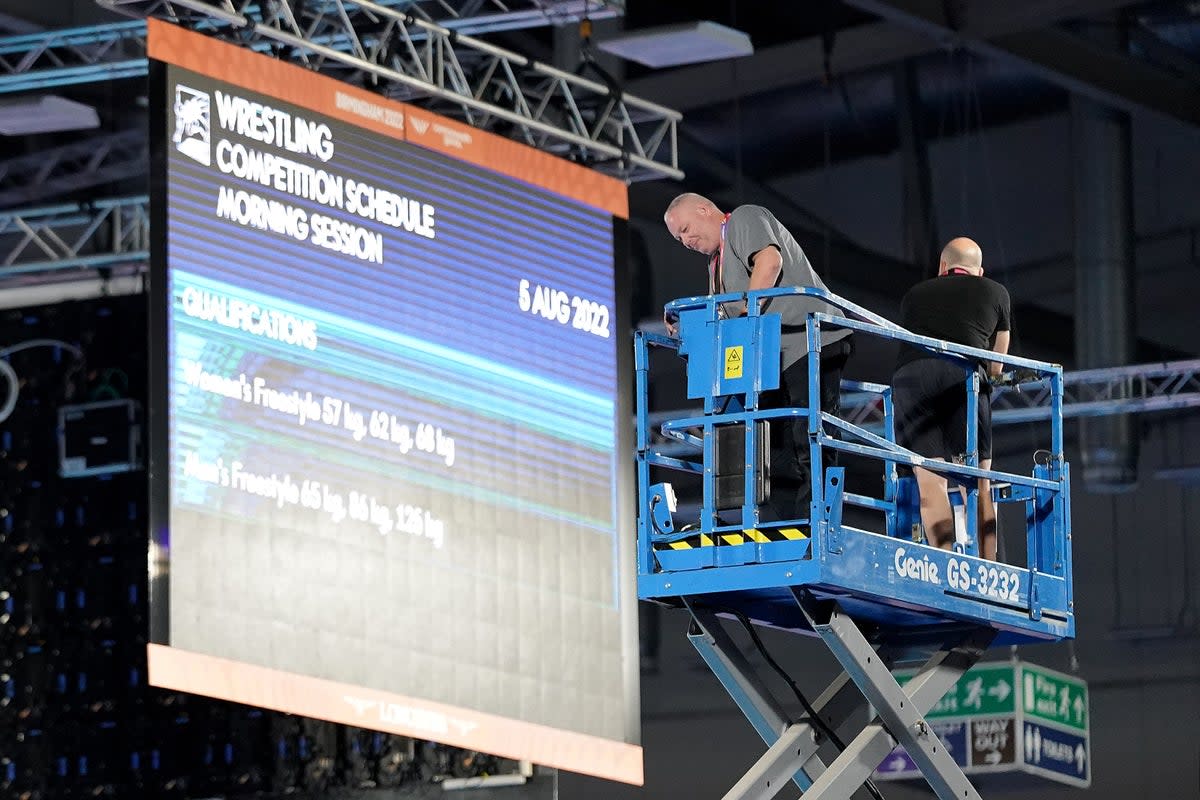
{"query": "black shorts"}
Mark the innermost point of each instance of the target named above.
(930, 402)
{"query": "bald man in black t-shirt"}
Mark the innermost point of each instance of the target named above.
(962, 306)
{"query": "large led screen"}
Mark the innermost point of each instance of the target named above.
(387, 478)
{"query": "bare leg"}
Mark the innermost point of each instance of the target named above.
(936, 515)
(987, 515)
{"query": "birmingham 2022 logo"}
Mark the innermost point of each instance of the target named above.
(192, 114)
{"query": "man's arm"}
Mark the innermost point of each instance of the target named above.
(766, 265)
(1003, 329)
(1000, 347)
(752, 240)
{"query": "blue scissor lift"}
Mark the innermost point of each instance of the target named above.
(878, 599)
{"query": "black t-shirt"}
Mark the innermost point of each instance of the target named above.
(965, 309)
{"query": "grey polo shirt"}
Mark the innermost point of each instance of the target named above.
(753, 228)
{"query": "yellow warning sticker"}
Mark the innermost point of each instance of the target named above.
(733, 362)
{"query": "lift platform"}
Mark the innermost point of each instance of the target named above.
(876, 594)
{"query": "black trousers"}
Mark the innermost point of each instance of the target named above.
(791, 490)
(931, 409)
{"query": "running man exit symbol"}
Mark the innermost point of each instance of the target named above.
(733, 362)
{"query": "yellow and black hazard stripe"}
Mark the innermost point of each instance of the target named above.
(746, 536)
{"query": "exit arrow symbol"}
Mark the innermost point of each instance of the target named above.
(1000, 691)
(1078, 706)
(1080, 757)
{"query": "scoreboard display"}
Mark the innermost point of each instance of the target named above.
(389, 474)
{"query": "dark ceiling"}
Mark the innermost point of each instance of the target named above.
(820, 88)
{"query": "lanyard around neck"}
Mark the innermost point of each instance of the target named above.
(716, 264)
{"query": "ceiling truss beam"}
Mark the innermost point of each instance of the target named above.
(413, 60)
(1060, 57)
(40, 175)
(114, 51)
(74, 236)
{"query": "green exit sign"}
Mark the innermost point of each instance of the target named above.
(986, 689)
(1054, 697)
(999, 688)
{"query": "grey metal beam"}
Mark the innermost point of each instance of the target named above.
(12, 24)
(727, 662)
(792, 746)
(900, 710)
(104, 233)
(1163, 52)
(858, 48)
(40, 175)
(1105, 279)
(919, 218)
(1060, 57)
(1103, 74)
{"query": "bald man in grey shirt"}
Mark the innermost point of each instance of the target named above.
(750, 249)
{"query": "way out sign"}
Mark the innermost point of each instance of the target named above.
(993, 741)
(1009, 717)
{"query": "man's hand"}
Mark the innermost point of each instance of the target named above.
(672, 323)
(1016, 377)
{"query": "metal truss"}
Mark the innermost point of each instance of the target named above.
(97, 160)
(1086, 393)
(100, 235)
(118, 50)
(75, 55)
(406, 57)
(469, 17)
(1101, 392)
